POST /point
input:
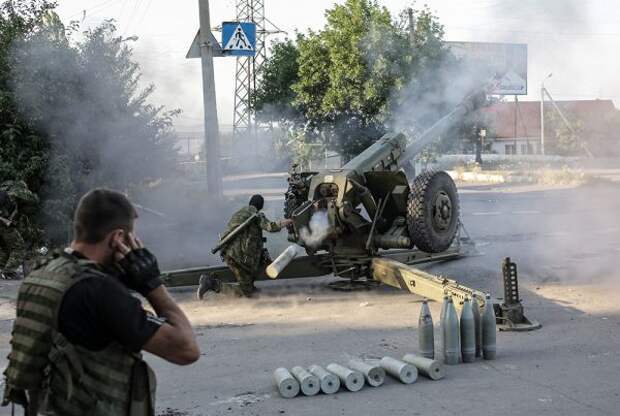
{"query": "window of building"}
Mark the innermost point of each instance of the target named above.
(510, 149)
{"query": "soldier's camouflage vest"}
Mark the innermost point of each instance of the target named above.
(71, 380)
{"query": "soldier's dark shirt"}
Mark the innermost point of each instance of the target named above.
(98, 311)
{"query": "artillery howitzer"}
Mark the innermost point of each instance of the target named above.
(369, 205)
(375, 223)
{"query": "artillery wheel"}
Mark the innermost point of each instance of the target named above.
(433, 211)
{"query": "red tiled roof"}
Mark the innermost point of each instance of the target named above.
(594, 114)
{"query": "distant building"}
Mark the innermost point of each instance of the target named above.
(517, 129)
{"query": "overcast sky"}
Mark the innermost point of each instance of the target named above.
(576, 40)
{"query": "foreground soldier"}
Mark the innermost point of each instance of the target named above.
(245, 254)
(13, 196)
(76, 341)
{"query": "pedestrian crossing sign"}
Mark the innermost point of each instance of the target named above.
(239, 38)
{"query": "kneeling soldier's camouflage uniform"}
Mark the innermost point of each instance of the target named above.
(245, 255)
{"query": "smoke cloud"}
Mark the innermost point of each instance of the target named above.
(317, 231)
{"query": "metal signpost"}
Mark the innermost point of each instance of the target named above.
(239, 39)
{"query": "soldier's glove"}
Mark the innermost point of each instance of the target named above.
(141, 271)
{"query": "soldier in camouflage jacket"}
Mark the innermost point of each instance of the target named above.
(245, 254)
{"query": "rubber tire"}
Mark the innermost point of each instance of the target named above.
(420, 212)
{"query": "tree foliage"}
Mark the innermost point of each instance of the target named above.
(23, 152)
(274, 100)
(564, 140)
(82, 118)
(357, 76)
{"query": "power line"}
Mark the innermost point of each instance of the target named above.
(99, 7)
(132, 15)
(146, 9)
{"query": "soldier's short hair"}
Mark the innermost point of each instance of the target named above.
(101, 211)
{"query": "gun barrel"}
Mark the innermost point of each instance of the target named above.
(469, 104)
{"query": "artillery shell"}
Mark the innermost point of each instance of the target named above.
(374, 375)
(475, 307)
(404, 372)
(489, 329)
(442, 322)
(330, 383)
(426, 336)
(352, 380)
(468, 333)
(280, 263)
(451, 335)
(310, 384)
(430, 368)
(285, 383)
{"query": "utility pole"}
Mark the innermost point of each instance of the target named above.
(542, 120)
(516, 126)
(211, 127)
(542, 114)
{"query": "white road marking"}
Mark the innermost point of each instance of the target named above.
(557, 234)
(487, 213)
(607, 231)
(526, 212)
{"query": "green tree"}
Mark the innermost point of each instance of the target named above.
(355, 76)
(273, 100)
(346, 73)
(562, 139)
(23, 151)
(82, 118)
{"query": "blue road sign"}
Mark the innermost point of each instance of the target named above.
(239, 38)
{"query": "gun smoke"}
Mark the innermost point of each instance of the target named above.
(317, 230)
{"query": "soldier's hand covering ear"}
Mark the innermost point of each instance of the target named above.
(140, 269)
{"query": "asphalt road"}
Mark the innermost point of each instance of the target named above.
(565, 242)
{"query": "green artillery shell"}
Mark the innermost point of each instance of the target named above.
(488, 330)
(468, 333)
(475, 307)
(430, 368)
(451, 335)
(402, 371)
(352, 380)
(330, 383)
(374, 375)
(442, 321)
(310, 384)
(285, 383)
(426, 336)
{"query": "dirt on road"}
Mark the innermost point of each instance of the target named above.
(568, 282)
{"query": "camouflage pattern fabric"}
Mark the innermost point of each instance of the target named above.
(12, 245)
(12, 249)
(19, 192)
(244, 276)
(244, 254)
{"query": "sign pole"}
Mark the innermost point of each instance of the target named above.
(211, 127)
